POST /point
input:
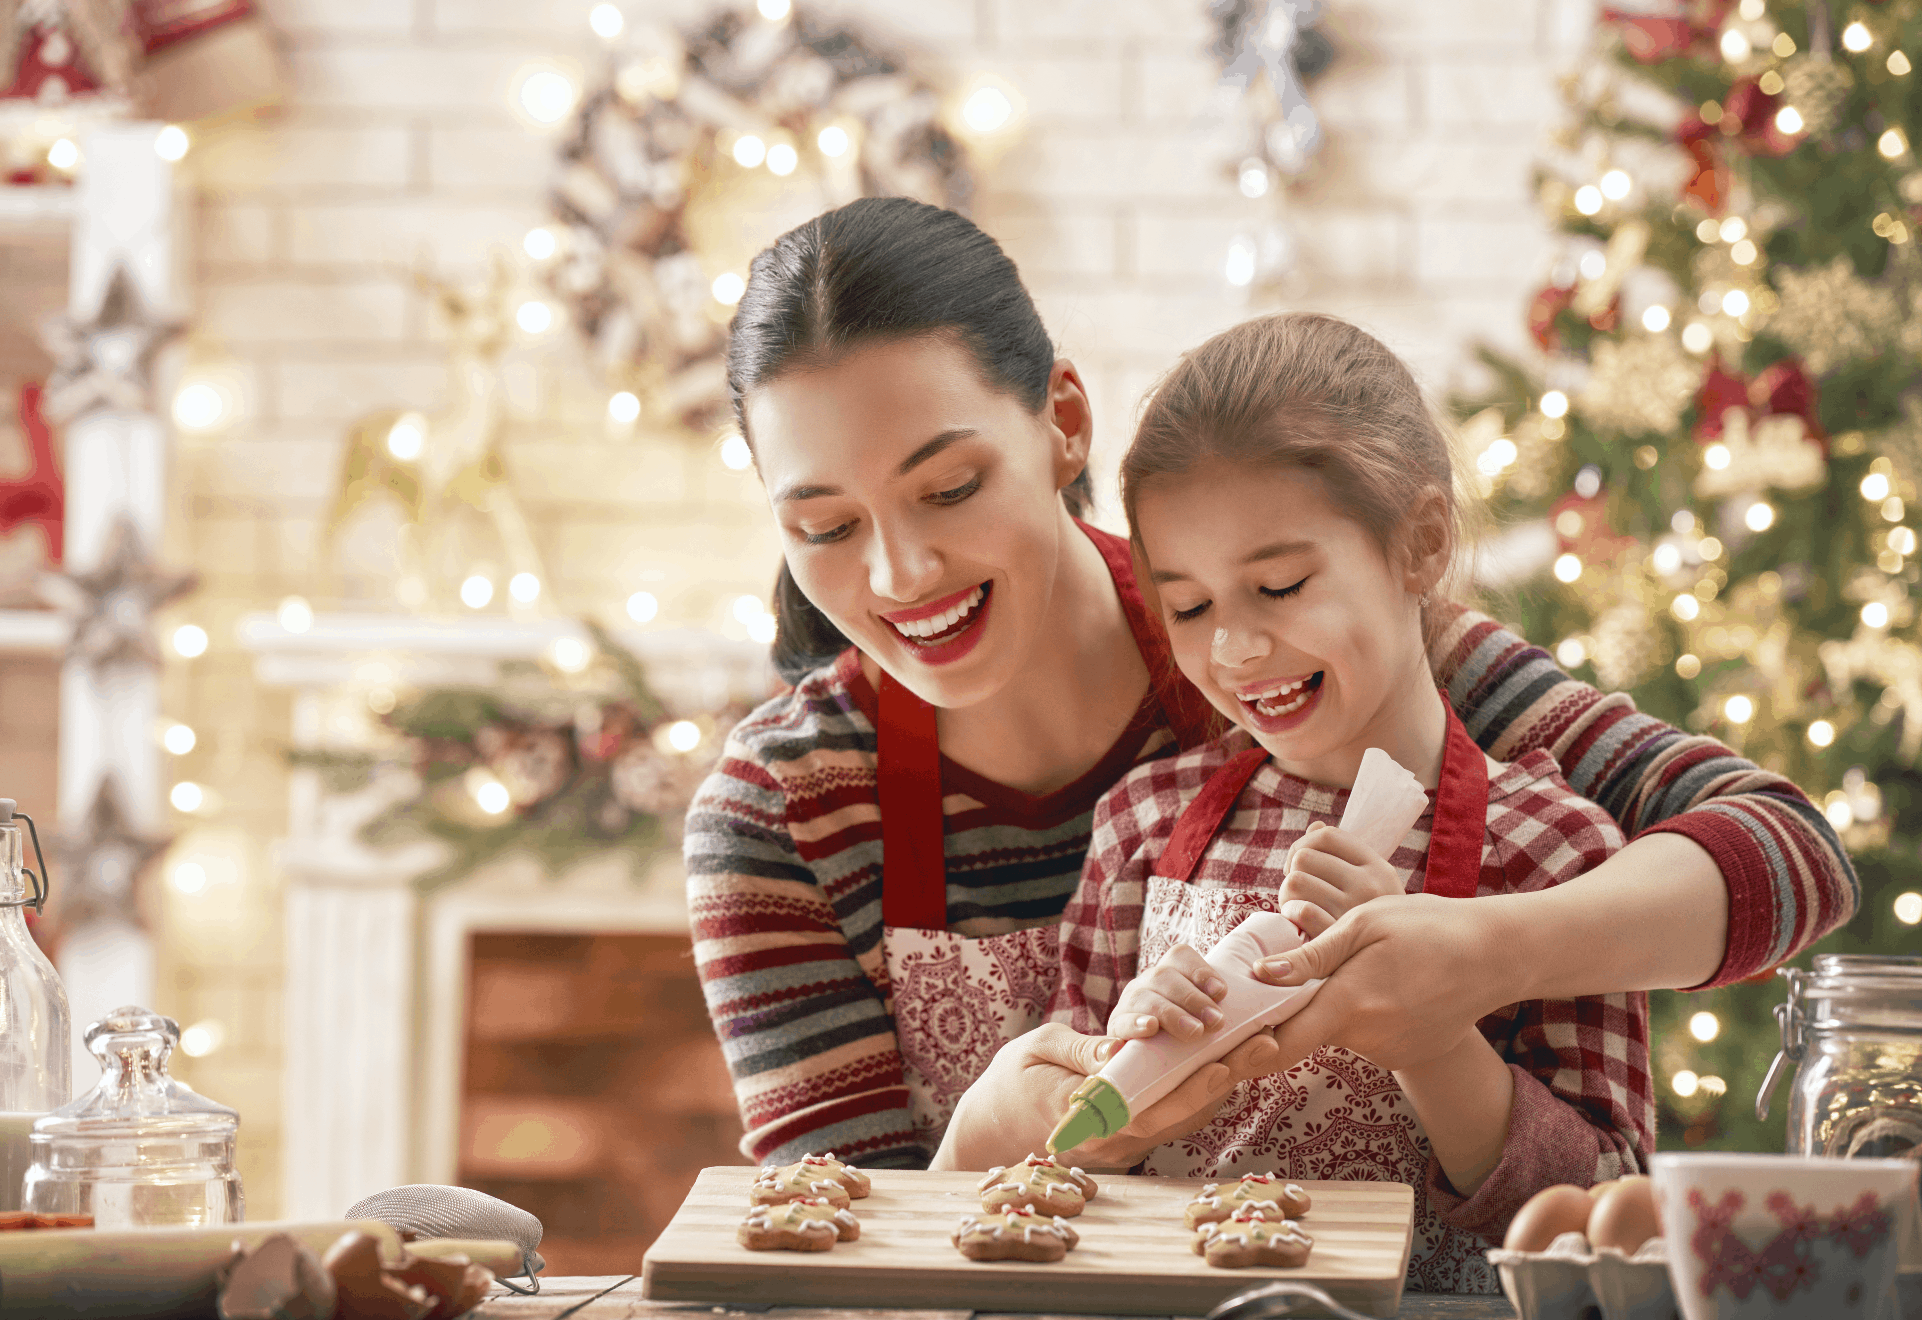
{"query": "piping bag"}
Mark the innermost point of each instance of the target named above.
(1383, 806)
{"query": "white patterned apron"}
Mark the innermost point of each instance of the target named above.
(957, 1000)
(1334, 1115)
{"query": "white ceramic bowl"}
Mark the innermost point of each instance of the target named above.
(1768, 1237)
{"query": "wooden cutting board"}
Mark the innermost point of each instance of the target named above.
(1135, 1256)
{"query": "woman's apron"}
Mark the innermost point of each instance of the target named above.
(957, 1000)
(1335, 1115)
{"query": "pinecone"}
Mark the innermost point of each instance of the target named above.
(1817, 87)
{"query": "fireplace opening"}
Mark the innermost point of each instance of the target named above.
(594, 1090)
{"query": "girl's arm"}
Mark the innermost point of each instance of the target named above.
(1730, 871)
(807, 1038)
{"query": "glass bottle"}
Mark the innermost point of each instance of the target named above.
(1853, 1029)
(36, 1053)
(140, 1150)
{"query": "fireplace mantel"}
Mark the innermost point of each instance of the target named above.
(376, 972)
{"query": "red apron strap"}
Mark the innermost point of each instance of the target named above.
(1460, 822)
(1203, 818)
(914, 864)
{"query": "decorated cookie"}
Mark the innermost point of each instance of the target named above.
(1217, 1202)
(1239, 1242)
(808, 1223)
(1040, 1183)
(792, 1182)
(1014, 1235)
(826, 1166)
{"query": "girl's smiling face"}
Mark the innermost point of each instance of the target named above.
(1289, 616)
(919, 507)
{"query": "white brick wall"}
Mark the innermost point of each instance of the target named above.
(398, 143)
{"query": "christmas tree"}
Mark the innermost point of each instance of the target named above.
(1702, 489)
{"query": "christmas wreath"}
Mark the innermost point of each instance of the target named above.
(699, 148)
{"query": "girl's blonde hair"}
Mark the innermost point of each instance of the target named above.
(1310, 391)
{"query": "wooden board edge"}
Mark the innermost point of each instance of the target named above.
(996, 1291)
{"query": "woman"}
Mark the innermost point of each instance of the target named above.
(973, 667)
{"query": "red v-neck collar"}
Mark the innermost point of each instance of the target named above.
(1170, 700)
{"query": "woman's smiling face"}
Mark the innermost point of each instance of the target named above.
(919, 507)
(1285, 613)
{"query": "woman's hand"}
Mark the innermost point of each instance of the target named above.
(1407, 976)
(1014, 1106)
(1330, 873)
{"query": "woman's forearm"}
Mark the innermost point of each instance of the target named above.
(1463, 1099)
(1652, 917)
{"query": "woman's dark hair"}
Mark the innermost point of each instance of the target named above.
(879, 269)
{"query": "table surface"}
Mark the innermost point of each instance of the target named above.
(618, 1297)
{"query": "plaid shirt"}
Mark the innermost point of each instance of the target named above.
(1584, 1105)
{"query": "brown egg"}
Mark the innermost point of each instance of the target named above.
(1547, 1215)
(1624, 1216)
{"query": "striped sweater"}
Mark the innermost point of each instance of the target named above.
(783, 851)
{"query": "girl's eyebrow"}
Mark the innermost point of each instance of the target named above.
(1274, 550)
(908, 464)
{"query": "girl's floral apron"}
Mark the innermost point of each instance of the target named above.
(1335, 1115)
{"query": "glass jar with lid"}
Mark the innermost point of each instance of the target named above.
(36, 1035)
(140, 1150)
(1852, 1028)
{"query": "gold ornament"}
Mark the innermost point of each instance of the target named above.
(1626, 248)
(1776, 452)
(1625, 646)
(1818, 88)
(1831, 316)
(1639, 384)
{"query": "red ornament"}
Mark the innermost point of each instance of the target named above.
(1721, 390)
(1651, 39)
(40, 496)
(1709, 182)
(1595, 541)
(1549, 304)
(1786, 390)
(1749, 113)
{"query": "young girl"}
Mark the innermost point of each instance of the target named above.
(1293, 506)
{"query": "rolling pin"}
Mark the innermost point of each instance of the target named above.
(172, 1273)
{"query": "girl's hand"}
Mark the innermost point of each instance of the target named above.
(1013, 1107)
(1330, 873)
(1177, 995)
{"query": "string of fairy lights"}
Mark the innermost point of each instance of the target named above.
(1609, 190)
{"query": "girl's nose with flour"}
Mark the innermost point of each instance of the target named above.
(1235, 647)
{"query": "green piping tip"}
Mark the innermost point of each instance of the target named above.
(1096, 1109)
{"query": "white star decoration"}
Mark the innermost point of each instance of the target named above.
(112, 606)
(106, 362)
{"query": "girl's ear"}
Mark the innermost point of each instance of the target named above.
(1070, 420)
(1428, 538)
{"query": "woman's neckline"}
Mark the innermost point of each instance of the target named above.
(1087, 786)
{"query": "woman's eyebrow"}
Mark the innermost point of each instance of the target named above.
(908, 464)
(933, 447)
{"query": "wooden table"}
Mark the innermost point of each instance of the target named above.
(618, 1297)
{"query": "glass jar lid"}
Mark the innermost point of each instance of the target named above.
(135, 1096)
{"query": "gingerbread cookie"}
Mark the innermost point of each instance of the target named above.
(1040, 1183)
(1014, 1235)
(808, 1223)
(1214, 1203)
(816, 1175)
(1238, 1243)
(826, 1166)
